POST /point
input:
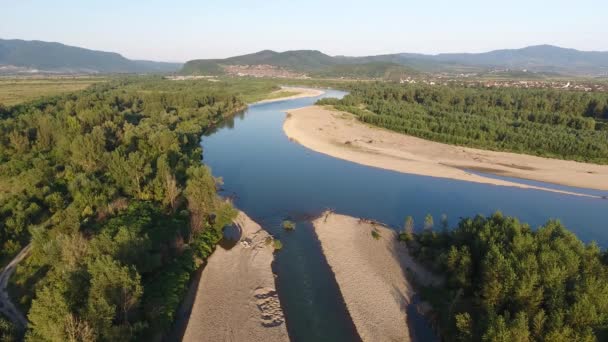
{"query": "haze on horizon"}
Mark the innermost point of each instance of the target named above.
(185, 30)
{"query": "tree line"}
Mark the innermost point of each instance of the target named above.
(108, 186)
(551, 123)
(507, 282)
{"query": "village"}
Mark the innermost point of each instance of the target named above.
(585, 86)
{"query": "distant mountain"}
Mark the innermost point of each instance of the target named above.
(50, 57)
(541, 58)
(299, 60)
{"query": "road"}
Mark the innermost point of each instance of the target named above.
(7, 308)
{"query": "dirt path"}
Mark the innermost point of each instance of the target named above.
(6, 306)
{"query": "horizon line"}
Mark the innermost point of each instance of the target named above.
(312, 50)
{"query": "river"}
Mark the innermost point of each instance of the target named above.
(272, 179)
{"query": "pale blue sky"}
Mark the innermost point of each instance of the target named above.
(182, 30)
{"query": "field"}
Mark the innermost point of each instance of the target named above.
(17, 90)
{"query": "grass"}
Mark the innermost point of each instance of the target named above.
(277, 245)
(289, 225)
(376, 234)
(17, 90)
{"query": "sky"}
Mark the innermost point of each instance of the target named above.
(184, 30)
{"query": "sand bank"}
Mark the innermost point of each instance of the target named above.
(341, 135)
(236, 299)
(302, 92)
(371, 274)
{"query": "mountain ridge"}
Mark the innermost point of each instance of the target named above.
(537, 58)
(35, 56)
(54, 57)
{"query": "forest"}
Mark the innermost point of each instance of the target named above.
(107, 186)
(508, 282)
(550, 123)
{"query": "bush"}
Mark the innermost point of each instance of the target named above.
(376, 234)
(8, 332)
(327, 101)
(277, 245)
(204, 244)
(405, 237)
(289, 225)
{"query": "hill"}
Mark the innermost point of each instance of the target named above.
(298, 60)
(385, 70)
(28, 56)
(541, 58)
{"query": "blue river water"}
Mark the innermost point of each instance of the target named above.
(272, 178)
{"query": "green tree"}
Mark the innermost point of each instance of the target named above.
(428, 222)
(515, 283)
(464, 324)
(88, 150)
(201, 194)
(47, 316)
(114, 294)
(8, 332)
(408, 229)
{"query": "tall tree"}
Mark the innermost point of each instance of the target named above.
(428, 222)
(201, 194)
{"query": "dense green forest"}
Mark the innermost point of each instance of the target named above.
(375, 70)
(507, 282)
(108, 187)
(107, 184)
(552, 123)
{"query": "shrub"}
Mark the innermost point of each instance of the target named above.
(289, 225)
(405, 236)
(7, 330)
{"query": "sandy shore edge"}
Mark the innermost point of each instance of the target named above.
(236, 299)
(370, 273)
(302, 92)
(342, 136)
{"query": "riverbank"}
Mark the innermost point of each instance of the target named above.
(299, 92)
(341, 135)
(236, 299)
(371, 274)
